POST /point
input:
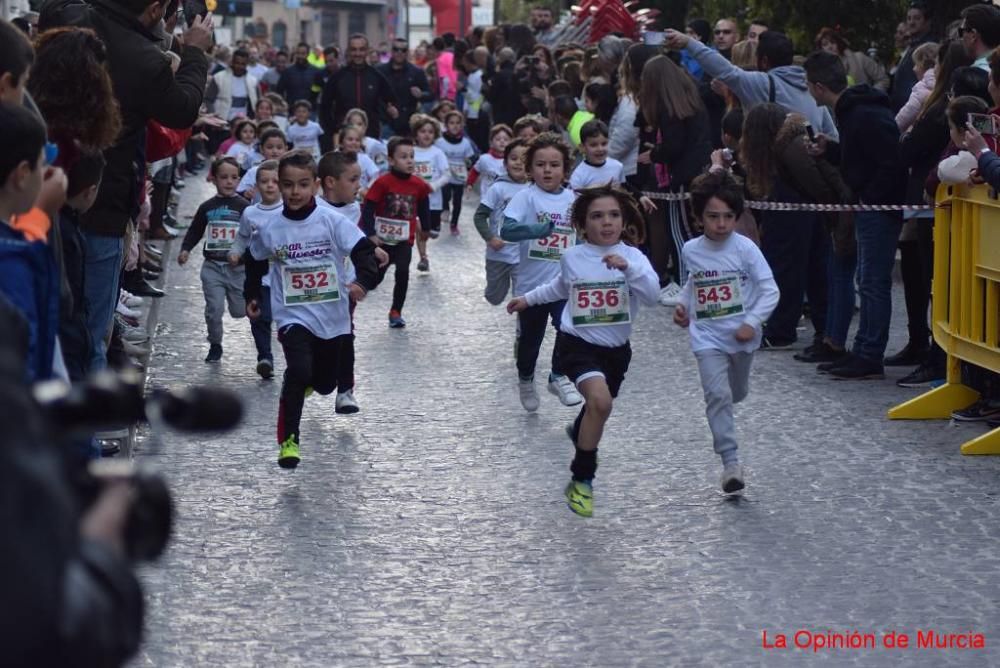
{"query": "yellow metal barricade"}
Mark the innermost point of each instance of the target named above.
(966, 303)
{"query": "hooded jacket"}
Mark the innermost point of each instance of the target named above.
(870, 158)
(145, 87)
(753, 88)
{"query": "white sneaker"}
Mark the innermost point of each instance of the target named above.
(732, 478)
(563, 387)
(130, 300)
(346, 403)
(670, 295)
(126, 311)
(529, 398)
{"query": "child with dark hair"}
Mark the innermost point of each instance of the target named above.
(461, 154)
(489, 166)
(527, 128)
(302, 132)
(600, 284)
(272, 146)
(83, 180)
(16, 57)
(596, 169)
(728, 294)
(393, 206)
(218, 221)
(245, 134)
(307, 246)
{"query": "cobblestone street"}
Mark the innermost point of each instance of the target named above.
(431, 529)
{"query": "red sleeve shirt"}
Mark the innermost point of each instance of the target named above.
(398, 198)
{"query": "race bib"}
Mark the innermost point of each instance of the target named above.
(313, 284)
(551, 248)
(458, 170)
(717, 297)
(392, 231)
(220, 235)
(599, 303)
(424, 170)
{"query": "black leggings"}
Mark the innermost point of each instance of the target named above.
(309, 362)
(916, 264)
(452, 196)
(531, 323)
(399, 255)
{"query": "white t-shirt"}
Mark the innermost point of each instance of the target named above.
(431, 165)
(490, 169)
(497, 198)
(458, 156)
(254, 218)
(240, 98)
(351, 211)
(241, 152)
(586, 174)
(307, 253)
(378, 152)
(601, 303)
(257, 71)
(539, 262)
(729, 283)
(305, 136)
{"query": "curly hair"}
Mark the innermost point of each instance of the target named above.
(548, 140)
(417, 121)
(71, 85)
(633, 223)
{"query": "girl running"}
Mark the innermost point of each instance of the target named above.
(430, 164)
(351, 140)
(501, 257)
(461, 153)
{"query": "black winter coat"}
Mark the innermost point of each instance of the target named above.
(353, 87)
(683, 145)
(869, 146)
(146, 89)
(401, 80)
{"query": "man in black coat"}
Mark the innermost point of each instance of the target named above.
(409, 83)
(358, 85)
(297, 80)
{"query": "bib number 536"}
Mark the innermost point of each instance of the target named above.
(598, 298)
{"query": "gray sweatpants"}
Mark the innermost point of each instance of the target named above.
(725, 379)
(500, 277)
(221, 284)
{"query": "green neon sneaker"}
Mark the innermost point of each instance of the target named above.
(288, 454)
(580, 498)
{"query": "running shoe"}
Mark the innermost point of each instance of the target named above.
(424, 264)
(130, 300)
(769, 343)
(670, 295)
(265, 368)
(214, 353)
(529, 398)
(396, 320)
(455, 231)
(983, 410)
(563, 387)
(288, 453)
(732, 478)
(580, 498)
(434, 234)
(346, 404)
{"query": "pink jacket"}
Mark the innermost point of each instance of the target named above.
(447, 75)
(921, 91)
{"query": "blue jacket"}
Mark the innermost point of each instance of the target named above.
(870, 158)
(989, 168)
(29, 278)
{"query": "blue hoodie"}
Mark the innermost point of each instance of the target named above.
(753, 88)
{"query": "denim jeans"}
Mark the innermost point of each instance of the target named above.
(877, 234)
(101, 274)
(840, 300)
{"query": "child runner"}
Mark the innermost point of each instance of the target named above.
(272, 146)
(460, 152)
(280, 110)
(307, 246)
(430, 164)
(340, 178)
(373, 148)
(442, 109)
(245, 133)
(527, 128)
(539, 217)
(389, 217)
(254, 217)
(501, 257)
(490, 164)
(351, 140)
(728, 294)
(605, 280)
(218, 220)
(597, 168)
(302, 132)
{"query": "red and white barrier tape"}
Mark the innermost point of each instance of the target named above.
(802, 206)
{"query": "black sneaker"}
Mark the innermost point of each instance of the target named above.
(214, 353)
(769, 343)
(858, 368)
(826, 367)
(983, 410)
(910, 355)
(265, 367)
(924, 375)
(424, 264)
(819, 352)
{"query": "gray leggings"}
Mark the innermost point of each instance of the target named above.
(725, 379)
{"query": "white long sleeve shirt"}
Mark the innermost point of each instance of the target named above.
(729, 283)
(601, 303)
(431, 164)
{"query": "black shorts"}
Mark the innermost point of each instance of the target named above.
(580, 360)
